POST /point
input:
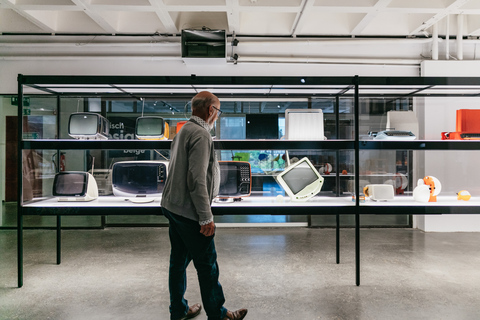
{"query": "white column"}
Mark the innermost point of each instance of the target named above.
(460, 37)
(435, 42)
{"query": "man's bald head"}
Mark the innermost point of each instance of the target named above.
(201, 104)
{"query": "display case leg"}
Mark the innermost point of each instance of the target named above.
(338, 238)
(20, 250)
(59, 239)
(357, 248)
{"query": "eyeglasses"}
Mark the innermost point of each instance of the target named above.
(219, 112)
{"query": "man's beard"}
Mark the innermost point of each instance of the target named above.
(211, 122)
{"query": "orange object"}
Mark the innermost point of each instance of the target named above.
(344, 172)
(431, 184)
(180, 125)
(468, 120)
(467, 126)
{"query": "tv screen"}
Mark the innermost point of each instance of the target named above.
(300, 177)
(301, 181)
(235, 179)
(138, 178)
(70, 184)
(85, 125)
(149, 127)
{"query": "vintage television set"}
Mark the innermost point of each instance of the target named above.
(139, 179)
(304, 124)
(151, 128)
(88, 126)
(301, 180)
(235, 180)
(75, 186)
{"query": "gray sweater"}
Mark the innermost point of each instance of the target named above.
(189, 189)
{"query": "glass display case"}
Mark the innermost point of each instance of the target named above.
(382, 141)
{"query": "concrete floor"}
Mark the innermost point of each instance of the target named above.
(283, 273)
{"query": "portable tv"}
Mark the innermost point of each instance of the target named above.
(139, 178)
(301, 181)
(88, 126)
(75, 186)
(151, 128)
(235, 179)
(304, 124)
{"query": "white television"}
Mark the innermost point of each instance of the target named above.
(301, 181)
(304, 124)
(75, 186)
(151, 128)
(139, 178)
(88, 126)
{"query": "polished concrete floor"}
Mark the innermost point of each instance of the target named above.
(278, 273)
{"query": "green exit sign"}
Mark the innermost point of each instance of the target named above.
(26, 101)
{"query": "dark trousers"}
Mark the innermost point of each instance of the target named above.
(189, 244)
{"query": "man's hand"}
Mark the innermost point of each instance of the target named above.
(208, 229)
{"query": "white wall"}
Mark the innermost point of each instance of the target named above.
(456, 170)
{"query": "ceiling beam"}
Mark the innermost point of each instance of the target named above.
(233, 16)
(162, 13)
(8, 4)
(369, 17)
(453, 8)
(300, 19)
(95, 16)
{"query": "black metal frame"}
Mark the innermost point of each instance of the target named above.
(345, 87)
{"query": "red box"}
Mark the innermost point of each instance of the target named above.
(467, 127)
(468, 120)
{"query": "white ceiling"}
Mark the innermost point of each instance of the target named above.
(242, 17)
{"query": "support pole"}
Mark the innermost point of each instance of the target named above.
(447, 39)
(357, 180)
(460, 37)
(20, 183)
(435, 42)
(59, 239)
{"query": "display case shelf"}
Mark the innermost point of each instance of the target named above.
(70, 144)
(420, 145)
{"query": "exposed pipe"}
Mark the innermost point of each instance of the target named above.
(435, 42)
(243, 59)
(289, 59)
(460, 37)
(333, 42)
(447, 39)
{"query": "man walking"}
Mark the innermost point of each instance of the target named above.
(192, 183)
